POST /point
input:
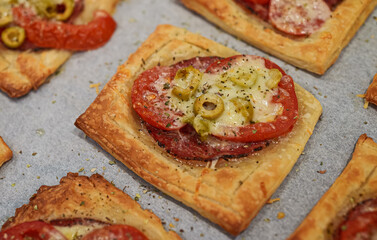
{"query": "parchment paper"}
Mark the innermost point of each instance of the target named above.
(39, 127)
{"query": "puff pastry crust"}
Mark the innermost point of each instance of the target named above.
(230, 194)
(371, 94)
(22, 71)
(102, 202)
(356, 183)
(315, 53)
(5, 153)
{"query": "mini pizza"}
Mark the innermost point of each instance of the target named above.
(83, 207)
(309, 34)
(5, 152)
(37, 37)
(348, 208)
(214, 129)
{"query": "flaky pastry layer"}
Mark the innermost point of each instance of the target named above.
(22, 71)
(5, 153)
(356, 183)
(91, 198)
(315, 53)
(228, 194)
(371, 94)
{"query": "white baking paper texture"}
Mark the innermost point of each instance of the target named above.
(39, 127)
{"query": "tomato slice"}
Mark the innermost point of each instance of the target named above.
(361, 222)
(36, 230)
(298, 17)
(49, 34)
(263, 130)
(150, 89)
(257, 1)
(119, 232)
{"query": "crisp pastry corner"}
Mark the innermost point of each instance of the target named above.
(5, 153)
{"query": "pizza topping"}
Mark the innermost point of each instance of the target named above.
(293, 17)
(36, 230)
(65, 229)
(5, 15)
(298, 17)
(230, 108)
(186, 76)
(151, 92)
(13, 37)
(361, 222)
(186, 143)
(50, 9)
(119, 232)
(49, 34)
(274, 111)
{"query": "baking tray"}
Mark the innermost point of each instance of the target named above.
(39, 127)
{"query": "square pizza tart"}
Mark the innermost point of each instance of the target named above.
(348, 208)
(82, 207)
(227, 190)
(305, 33)
(28, 68)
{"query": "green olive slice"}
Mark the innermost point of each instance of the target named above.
(189, 76)
(244, 107)
(13, 37)
(242, 76)
(5, 15)
(201, 126)
(46, 8)
(69, 6)
(275, 77)
(209, 106)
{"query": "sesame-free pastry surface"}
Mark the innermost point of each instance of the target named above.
(5, 152)
(22, 71)
(94, 198)
(315, 53)
(229, 194)
(355, 185)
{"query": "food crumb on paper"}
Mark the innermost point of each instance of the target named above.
(273, 200)
(280, 215)
(96, 86)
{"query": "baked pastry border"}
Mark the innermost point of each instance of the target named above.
(315, 53)
(5, 153)
(356, 183)
(89, 198)
(22, 71)
(229, 195)
(371, 93)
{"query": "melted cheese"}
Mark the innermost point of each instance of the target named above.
(78, 231)
(258, 94)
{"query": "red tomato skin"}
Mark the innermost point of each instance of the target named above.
(118, 232)
(265, 130)
(258, 1)
(49, 34)
(36, 230)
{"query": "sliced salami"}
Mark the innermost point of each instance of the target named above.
(186, 144)
(298, 17)
(361, 222)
